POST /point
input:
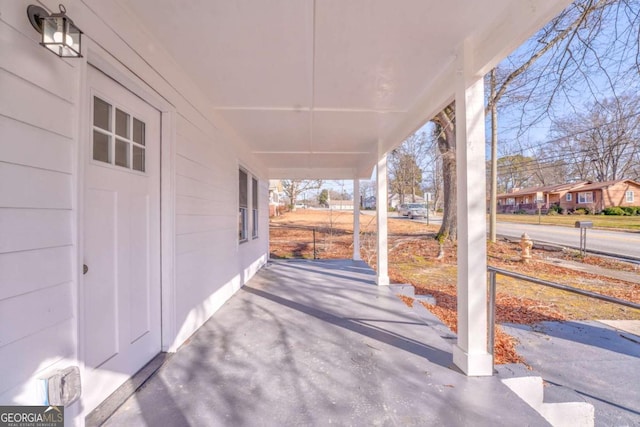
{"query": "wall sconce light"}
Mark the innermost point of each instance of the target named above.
(59, 33)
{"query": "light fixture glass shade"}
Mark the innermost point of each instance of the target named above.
(61, 36)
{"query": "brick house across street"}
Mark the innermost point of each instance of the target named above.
(594, 196)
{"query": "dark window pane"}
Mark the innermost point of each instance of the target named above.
(122, 153)
(244, 199)
(254, 193)
(101, 114)
(242, 224)
(138, 131)
(255, 223)
(138, 158)
(122, 124)
(101, 147)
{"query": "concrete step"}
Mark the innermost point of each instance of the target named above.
(564, 414)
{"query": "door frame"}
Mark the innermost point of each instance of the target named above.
(106, 63)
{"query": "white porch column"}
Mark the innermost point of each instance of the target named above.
(356, 219)
(470, 353)
(381, 215)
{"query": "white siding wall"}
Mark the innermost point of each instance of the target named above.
(209, 259)
(37, 288)
(39, 233)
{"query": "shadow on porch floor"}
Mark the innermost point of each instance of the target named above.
(317, 343)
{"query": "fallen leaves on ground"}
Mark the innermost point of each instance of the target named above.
(412, 259)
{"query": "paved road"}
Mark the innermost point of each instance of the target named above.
(620, 243)
(432, 219)
(624, 244)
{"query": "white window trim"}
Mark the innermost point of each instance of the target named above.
(585, 201)
(568, 197)
(629, 196)
(243, 226)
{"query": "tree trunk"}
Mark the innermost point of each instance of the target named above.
(446, 137)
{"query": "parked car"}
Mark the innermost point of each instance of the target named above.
(413, 210)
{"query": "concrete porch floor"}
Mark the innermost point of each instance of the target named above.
(316, 343)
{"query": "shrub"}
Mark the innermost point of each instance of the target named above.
(631, 210)
(581, 211)
(615, 210)
(556, 209)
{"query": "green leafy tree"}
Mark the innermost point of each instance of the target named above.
(323, 198)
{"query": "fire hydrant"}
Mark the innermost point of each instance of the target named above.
(526, 244)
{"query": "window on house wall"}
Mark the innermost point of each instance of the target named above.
(585, 197)
(629, 196)
(254, 207)
(243, 202)
(568, 197)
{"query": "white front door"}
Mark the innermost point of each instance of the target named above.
(121, 287)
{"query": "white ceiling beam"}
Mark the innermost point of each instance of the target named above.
(437, 96)
(311, 173)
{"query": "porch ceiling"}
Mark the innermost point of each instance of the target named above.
(313, 86)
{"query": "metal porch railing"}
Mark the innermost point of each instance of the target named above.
(494, 272)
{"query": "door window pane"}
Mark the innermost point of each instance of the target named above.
(101, 114)
(122, 153)
(101, 147)
(138, 158)
(138, 131)
(118, 138)
(122, 123)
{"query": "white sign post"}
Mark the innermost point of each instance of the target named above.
(539, 202)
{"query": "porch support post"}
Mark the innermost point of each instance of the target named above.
(381, 216)
(356, 219)
(470, 353)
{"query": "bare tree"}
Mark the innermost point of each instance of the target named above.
(445, 132)
(433, 172)
(406, 167)
(294, 187)
(588, 50)
(367, 190)
(604, 143)
(591, 48)
(515, 171)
